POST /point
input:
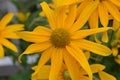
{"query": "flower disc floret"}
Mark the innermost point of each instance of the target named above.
(60, 37)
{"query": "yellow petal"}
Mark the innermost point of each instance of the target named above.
(93, 20)
(82, 6)
(93, 47)
(56, 63)
(116, 2)
(112, 9)
(103, 14)
(116, 25)
(1, 51)
(41, 30)
(32, 36)
(61, 16)
(72, 66)
(84, 33)
(105, 37)
(80, 57)
(35, 48)
(9, 44)
(118, 34)
(71, 17)
(60, 3)
(105, 76)
(115, 51)
(43, 73)
(84, 16)
(97, 67)
(87, 54)
(5, 20)
(117, 60)
(50, 14)
(10, 31)
(46, 55)
(15, 27)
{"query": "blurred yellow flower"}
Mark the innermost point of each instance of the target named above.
(99, 9)
(23, 17)
(64, 41)
(8, 32)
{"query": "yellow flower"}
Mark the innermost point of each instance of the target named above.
(64, 41)
(93, 10)
(23, 17)
(8, 32)
(44, 72)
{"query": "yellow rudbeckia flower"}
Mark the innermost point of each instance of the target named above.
(23, 17)
(99, 9)
(64, 41)
(44, 72)
(8, 32)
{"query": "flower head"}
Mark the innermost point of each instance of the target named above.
(95, 10)
(63, 42)
(8, 32)
(23, 17)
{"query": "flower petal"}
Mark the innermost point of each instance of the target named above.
(112, 9)
(60, 3)
(116, 2)
(56, 63)
(1, 51)
(84, 33)
(15, 27)
(93, 47)
(32, 36)
(84, 16)
(72, 66)
(116, 25)
(61, 16)
(82, 6)
(43, 73)
(105, 76)
(10, 31)
(46, 55)
(35, 48)
(80, 57)
(8, 44)
(50, 14)
(105, 37)
(103, 14)
(115, 51)
(93, 20)
(71, 17)
(97, 67)
(41, 30)
(5, 20)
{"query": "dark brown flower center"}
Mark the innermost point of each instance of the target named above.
(60, 37)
